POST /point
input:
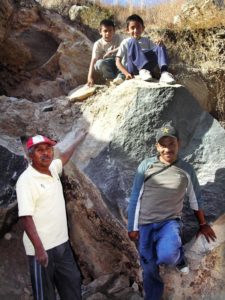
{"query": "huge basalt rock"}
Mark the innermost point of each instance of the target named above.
(121, 123)
(11, 165)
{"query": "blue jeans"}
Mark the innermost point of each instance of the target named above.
(107, 67)
(61, 272)
(138, 59)
(159, 243)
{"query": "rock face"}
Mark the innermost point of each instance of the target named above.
(101, 244)
(103, 249)
(11, 166)
(40, 55)
(43, 57)
(121, 122)
(63, 6)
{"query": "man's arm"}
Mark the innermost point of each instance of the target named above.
(137, 189)
(66, 155)
(123, 69)
(195, 199)
(30, 229)
(90, 79)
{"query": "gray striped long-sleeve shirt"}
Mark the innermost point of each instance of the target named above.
(161, 196)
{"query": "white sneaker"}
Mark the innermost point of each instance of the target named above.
(183, 267)
(145, 75)
(118, 80)
(166, 77)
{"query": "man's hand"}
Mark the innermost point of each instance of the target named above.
(133, 235)
(80, 135)
(30, 228)
(41, 256)
(129, 76)
(208, 232)
(77, 137)
(90, 81)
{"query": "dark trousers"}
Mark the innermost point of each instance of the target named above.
(138, 59)
(61, 273)
(107, 67)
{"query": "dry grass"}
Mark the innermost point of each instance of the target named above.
(162, 15)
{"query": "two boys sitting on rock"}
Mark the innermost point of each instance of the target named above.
(117, 59)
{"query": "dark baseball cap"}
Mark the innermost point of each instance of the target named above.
(166, 130)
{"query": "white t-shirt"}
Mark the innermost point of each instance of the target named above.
(144, 42)
(41, 196)
(101, 47)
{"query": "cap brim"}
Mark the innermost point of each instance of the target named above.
(51, 143)
(166, 135)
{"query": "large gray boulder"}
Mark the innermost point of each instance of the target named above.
(123, 123)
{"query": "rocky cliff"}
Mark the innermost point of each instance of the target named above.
(121, 122)
(44, 54)
(42, 57)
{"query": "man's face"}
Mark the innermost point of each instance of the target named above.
(42, 156)
(135, 29)
(107, 33)
(168, 148)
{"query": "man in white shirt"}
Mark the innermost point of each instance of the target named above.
(43, 214)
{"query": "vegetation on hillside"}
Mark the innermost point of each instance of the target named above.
(160, 15)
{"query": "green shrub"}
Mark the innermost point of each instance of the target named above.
(93, 15)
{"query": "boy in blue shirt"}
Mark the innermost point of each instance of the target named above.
(139, 55)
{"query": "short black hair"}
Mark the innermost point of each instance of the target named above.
(107, 23)
(136, 18)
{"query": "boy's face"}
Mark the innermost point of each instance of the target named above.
(135, 29)
(107, 32)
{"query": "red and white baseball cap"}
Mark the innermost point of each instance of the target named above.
(39, 139)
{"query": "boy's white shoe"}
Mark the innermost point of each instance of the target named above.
(167, 77)
(183, 267)
(145, 75)
(118, 80)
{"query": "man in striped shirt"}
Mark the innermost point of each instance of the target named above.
(155, 209)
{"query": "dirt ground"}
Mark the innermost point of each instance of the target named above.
(14, 272)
